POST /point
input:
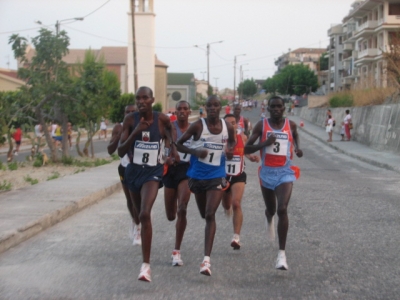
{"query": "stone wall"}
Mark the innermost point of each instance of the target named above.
(375, 126)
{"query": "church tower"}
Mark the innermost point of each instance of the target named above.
(145, 45)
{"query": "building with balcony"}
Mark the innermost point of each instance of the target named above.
(306, 56)
(367, 32)
(335, 52)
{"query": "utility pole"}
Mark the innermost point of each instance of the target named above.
(234, 75)
(208, 60)
(135, 74)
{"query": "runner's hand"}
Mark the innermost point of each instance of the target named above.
(201, 153)
(298, 152)
(254, 158)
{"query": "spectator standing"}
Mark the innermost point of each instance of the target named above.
(347, 124)
(17, 136)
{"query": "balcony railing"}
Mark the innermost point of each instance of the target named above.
(348, 46)
(368, 52)
(367, 25)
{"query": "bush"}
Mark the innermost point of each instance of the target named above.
(12, 166)
(31, 180)
(54, 176)
(100, 162)
(115, 156)
(5, 186)
(341, 100)
(157, 107)
(67, 161)
(224, 102)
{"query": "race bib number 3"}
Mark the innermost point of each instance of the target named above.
(280, 147)
(213, 157)
(146, 153)
(232, 167)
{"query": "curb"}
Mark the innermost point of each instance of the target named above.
(363, 159)
(23, 233)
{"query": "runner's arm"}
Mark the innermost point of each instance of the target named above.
(256, 134)
(126, 139)
(193, 130)
(115, 136)
(296, 139)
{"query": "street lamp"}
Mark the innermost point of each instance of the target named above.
(208, 60)
(234, 75)
(59, 22)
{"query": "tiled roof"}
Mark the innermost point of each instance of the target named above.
(112, 55)
(159, 63)
(309, 50)
(9, 73)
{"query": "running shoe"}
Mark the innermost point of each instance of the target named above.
(205, 268)
(235, 244)
(281, 263)
(270, 229)
(132, 230)
(145, 273)
(176, 258)
(137, 238)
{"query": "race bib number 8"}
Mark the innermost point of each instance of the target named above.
(213, 157)
(280, 147)
(146, 153)
(232, 167)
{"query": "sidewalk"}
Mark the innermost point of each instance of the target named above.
(28, 211)
(389, 161)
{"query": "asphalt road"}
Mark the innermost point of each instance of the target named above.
(343, 243)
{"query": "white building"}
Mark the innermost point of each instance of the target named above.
(145, 45)
(366, 34)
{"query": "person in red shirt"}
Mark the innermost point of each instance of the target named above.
(17, 136)
(227, 109)
(172, 117)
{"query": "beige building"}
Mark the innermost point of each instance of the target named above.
(366, 33)
(9, 80)
(305, 56)
(201, 87)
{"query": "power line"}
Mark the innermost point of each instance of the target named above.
(96, 9)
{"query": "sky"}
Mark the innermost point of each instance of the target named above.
(261, 29)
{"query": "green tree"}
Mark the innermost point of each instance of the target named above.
(295, 79)
(324, 62)
(247, 88)
(117, 111)
(95, 89)
(48, 79)
(270, 85)
(13, 112)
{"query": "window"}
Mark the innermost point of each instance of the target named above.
(394, 9)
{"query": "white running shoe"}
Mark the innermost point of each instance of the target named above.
(205, 268)
(132, 230)
(281, 263)
(270, 229)
(145, 273)
(235, 244)
(176, 258)
(137, 238)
